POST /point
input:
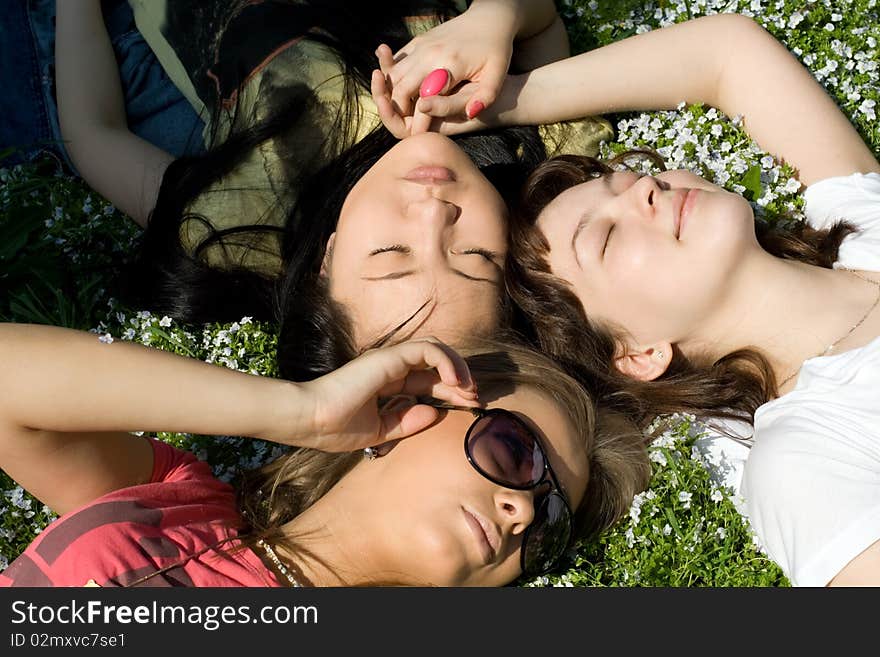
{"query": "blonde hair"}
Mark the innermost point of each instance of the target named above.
(618, 465)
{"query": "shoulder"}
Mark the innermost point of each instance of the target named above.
(843, 197)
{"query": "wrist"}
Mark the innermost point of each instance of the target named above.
(510, 107)
(502, 15)
(525, 18)
(288, 414)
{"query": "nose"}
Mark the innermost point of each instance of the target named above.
(516, 508)
(643, 196)
(434, 213)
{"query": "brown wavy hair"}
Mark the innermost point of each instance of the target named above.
(552, 317)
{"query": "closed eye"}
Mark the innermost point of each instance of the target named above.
(607, 238)
(491, 256)
(399, 248)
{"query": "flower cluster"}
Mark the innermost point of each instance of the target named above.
(684, 530)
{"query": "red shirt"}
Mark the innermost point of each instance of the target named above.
(124, 535)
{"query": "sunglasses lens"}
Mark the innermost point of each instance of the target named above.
(506, 451)
(547, 537)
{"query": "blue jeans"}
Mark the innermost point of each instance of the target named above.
(156, 110)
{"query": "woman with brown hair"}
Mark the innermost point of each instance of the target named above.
(664, 296)
(455, 489)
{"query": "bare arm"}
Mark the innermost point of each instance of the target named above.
(864, 570)
(67, 401)
(122, 167)
(727, 61)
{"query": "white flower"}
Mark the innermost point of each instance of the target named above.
(829, 27)
(867, 108)
(716, 496)
(667, 529)
(721, 533)
(106, 338)
(128, 334)
(658, 456)
(685, 498)
(792, 185)
(165, 321)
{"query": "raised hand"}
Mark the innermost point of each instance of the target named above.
(474, 49)
(347, 404)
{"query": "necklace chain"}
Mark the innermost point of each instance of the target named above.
(848, 333)
(284, 570)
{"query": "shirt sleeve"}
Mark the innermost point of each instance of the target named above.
(856, 199)
(172, 464)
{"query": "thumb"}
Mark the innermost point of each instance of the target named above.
(407, 422)
(487, 90)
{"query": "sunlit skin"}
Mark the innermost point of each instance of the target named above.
(635, 263)
(400, 243)
(408, 509)
(660, 272)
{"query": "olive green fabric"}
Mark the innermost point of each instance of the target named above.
(188, 39)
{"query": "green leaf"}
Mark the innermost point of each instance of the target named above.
(752, 182)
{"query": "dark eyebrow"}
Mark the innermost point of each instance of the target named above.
(394, 276)
(390, 277)
(584, 221)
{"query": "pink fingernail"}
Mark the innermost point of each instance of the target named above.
(434, 82)
(475, 108)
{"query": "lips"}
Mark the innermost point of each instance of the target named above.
(678, 204)
(682, 203)
(487, 535)
(686, 207)
(430, 175)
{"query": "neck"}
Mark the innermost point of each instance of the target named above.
(334, 547)
(787, 310)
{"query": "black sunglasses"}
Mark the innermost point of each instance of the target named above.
(506, 451)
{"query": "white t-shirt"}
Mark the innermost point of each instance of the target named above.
(811, 482)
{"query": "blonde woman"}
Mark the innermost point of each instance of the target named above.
(455, 491)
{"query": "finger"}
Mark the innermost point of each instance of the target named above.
(428, 383)
(406, 423)
(430, 352)
(386, 59)
(421, 122)
(450, 365)
(401, 365)
(389, 117)
(492, 78)
(452, 106)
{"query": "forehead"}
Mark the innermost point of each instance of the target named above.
(565, 444)
(592, 192)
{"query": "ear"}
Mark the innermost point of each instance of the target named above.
(644, 363)
(328, 255)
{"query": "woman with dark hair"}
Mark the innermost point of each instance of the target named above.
(664, 296)
(453, 491)
(303, 206)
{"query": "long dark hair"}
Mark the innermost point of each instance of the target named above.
(552, 316)
(170, 279)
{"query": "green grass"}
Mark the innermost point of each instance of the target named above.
(62, 246)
